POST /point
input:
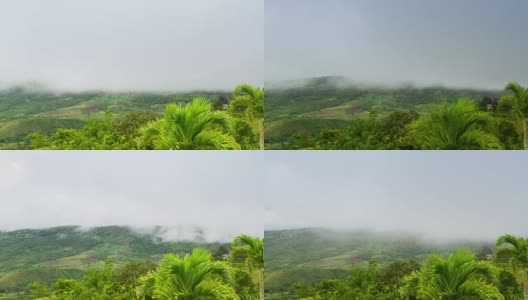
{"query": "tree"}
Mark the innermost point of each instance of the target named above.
(252, 100)
(454, 127)
(128, 128)
(194, 126)
(327, 288)
(244, 134)
(244, 286)
(130, 273)
(509, 287)
(515, 249)
(252, 250)
(38, 290)
(195, 276)
(63, 287)
(460, 276)
(38, 141)
(302, 290)
(518, 100)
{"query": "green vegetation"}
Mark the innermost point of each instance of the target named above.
(103, 121)
(331, 265)
(252, 249)
(331, 114)
(191, 127)
(67, 263)
(250, 101)
(47, 255)
(195, 275)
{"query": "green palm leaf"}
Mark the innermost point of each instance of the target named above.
(192, 277)
(194, 126)
(454, 127)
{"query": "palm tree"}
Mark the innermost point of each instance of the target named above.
(516, 249)
(194, 277)
(460, 276)
(252, 99)
(190, 127)
(252, 249)
(518, 99)
(454, 127)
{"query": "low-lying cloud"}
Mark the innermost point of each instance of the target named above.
(184, 192)
(437, 195)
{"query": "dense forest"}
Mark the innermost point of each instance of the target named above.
(332, 114)
(371, 265)
(118, 263)
(35, 119)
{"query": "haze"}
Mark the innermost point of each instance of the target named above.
(211, 191)
(471, 43)
(440, 195)
(124, 45)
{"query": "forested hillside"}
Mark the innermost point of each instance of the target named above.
(46, 255)
(24, 111)
(303, 258)
(334, 113)
(34, 118)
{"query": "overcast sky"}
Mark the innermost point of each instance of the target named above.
(132, 44)
(211, 190)
(441, 195)
(470, 43)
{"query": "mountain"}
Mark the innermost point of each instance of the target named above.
(310, 105)
(312, 254)
(45, 255)
(26, 109)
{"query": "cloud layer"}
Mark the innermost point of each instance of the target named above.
(472, 43)
(139, 189)
(132, 44)
(444, 195)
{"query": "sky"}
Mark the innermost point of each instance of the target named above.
(132, 44)
(438, 194)
(181, 191)
(470, 43)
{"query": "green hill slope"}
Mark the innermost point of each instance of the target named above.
(24, 110)
(310, 255)
(67, 252)
(307, 106)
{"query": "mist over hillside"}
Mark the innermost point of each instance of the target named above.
(28, 255)
(344, 82)
(310, 255)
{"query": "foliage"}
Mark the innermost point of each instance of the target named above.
(378, 266)
(454, 127)
(47, 255)
(190, 127)
(517, 100)
(460, 276)
(38, 290)
(195, 276)
(104, 121)
(252, 251)
(250, 100)
(333, 114)
(192, 275)
(515, 251)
